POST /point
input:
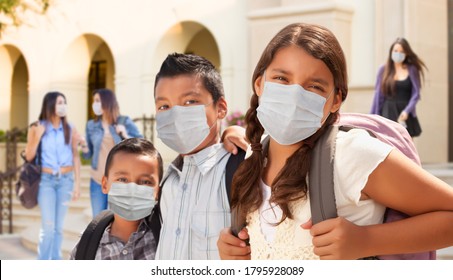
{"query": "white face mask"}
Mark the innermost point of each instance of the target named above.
(289, 113)
(61, 110)
(97, 108)
(398, 57)
(183, 128)
(130, 201)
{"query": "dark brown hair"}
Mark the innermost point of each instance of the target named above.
(388, 81)
(135, 146)
(109, 104)
(290, 184)
(48, 112)
(177, 64)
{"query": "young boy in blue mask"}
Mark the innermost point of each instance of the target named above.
(190, 105)
(132, 174)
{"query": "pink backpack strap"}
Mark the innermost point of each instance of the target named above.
(386, 130)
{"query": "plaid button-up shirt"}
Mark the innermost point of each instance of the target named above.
(140, 246)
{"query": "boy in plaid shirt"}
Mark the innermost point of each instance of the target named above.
(132, 173)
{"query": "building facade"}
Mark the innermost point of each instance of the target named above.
(80, 45)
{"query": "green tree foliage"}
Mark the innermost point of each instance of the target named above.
(11, 11)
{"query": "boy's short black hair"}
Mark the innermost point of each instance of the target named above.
(136, 146)
(189, 64)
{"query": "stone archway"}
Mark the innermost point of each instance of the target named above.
(13, 88)
(188, 37)
(72, 75)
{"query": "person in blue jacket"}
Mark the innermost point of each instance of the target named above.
(102, 133)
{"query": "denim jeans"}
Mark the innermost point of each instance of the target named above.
(55, 193)
(98, 199)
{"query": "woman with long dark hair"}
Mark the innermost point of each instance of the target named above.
(56, 140)
(398, 85)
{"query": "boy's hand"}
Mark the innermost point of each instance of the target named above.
(337, 239)
(234, 137)
(231, 247)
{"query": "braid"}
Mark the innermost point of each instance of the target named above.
(290, 184)
(246, 194)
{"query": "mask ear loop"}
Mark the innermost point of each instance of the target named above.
(324, 120)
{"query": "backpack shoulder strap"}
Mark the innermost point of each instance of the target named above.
(89, 242)
(156, 215)
(320, 185)
(231, 167)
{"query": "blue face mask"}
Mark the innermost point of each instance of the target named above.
(398, 57)
(183, 128)
(289, 113)
(130, 201)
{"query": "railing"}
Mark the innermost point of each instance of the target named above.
(7, 178)
(148, 126)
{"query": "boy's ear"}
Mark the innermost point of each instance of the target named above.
(258, 86)
(222, 108)
(104, 185)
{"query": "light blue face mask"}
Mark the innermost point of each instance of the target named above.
(289, 113)
(398, 57)
(183, 128)
(130, 201)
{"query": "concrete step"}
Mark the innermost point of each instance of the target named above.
(73, 227)
(27, 222)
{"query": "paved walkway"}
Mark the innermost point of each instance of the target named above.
(11, 248)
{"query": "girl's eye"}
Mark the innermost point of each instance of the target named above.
(316, 89)
(281, 79)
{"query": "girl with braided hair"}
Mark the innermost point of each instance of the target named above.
(299, 85)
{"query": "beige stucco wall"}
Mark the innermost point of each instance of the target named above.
(57, 49)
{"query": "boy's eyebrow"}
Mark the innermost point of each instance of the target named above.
(120, 173)
(193, 93)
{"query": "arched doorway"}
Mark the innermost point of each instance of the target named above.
(100, 74)
(13, 88)
(188, 37)
(89, 65)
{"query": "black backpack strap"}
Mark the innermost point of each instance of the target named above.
(89, 242)
(321, 185)
(156, 216)
(232, 165)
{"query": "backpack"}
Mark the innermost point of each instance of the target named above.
(322, 199)
(89, 241)
(27, 185)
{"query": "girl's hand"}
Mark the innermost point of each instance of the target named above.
(231, 247)
(338, 239)
(403, 117)
(234, 137)
(76, 193)
(83, 144)
(121, 130)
